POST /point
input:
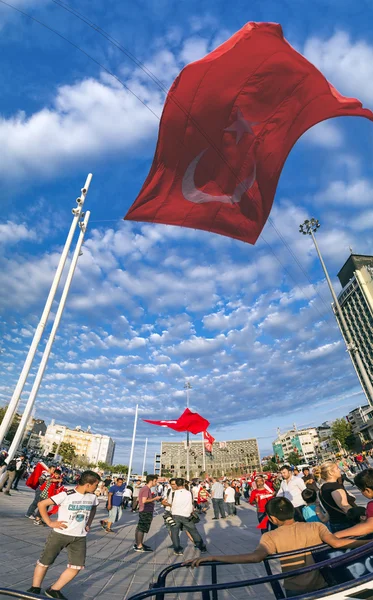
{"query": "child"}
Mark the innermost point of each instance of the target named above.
(289, 535)
(313, 513)
(77, 509)
(364, 481)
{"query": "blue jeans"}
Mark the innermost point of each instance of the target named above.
(230, 508)
(34, 504)
(188, 526)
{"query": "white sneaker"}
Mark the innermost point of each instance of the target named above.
(29, 517)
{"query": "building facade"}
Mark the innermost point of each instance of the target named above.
(361, 421)
(356, 301)
(225, 459)
(304, 442)
(93, 446)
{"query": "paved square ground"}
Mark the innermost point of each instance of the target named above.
(113, 570)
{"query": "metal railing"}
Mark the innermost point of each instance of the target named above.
(210, 591)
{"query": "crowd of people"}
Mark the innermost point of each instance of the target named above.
(295, 509)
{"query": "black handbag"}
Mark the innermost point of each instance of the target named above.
(194, 517)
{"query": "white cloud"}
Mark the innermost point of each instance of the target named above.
(363, 221)
(96, 363)
(87, 119)
(326, 135)
(355, 193)
(347, 64)
(12, 233)
(193, 49)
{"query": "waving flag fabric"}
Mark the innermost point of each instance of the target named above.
(209, 440)
(228, 124)
(33, 479)
(188, 421)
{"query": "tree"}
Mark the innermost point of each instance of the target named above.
(270, 466)
(122, 469)
(82, 462)
(13, 427)
(67, 451)
(294, 459)
(341, 431)
(103, 466)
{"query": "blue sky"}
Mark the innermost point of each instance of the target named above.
(153, 306)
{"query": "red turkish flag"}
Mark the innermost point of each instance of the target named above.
(209, 440)
(33, 479)
(228, 124)
(188, 421)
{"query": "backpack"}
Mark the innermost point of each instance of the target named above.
(12, 465)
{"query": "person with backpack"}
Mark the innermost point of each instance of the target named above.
(21, 466)
(8, 477)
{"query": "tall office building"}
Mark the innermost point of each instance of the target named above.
(226, 458)
(356, 301)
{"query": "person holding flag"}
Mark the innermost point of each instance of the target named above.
(259, 497)
(39, 475)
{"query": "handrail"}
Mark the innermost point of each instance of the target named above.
(317, 548)
(23, 595)
(337, 561)
(160, 592)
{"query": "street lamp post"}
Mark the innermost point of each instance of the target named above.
(309, 227)
(187, 388)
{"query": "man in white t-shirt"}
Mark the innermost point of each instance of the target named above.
(181, 509)
(291, 488)
(229, 498)
(76, 510)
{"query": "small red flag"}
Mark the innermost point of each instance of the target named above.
(188, 421)
(228, 125)
(209, 440)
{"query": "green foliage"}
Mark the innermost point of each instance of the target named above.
(271, 466)
(294, 459)
(342, 432)
(13, 428)
(67, 451)
(123, 469)
(103, 466)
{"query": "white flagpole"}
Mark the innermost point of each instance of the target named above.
(187, 387)
(203, 454)
(43, 363)
(132, 445)
(144, 461)
(13, 404)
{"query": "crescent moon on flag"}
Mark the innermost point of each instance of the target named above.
(191, 193)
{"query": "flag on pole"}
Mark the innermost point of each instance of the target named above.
(188, 421)
(209, 440)
(228, 125)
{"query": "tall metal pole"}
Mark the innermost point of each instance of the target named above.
(187, 387)
(203, 453)
(309, 227)
(132, 445)
(144, 461)
(13, 404)
(44, 359)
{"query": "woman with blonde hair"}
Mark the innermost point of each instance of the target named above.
(334, 498)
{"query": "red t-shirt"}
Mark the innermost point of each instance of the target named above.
(260, 498)
(369, 512)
